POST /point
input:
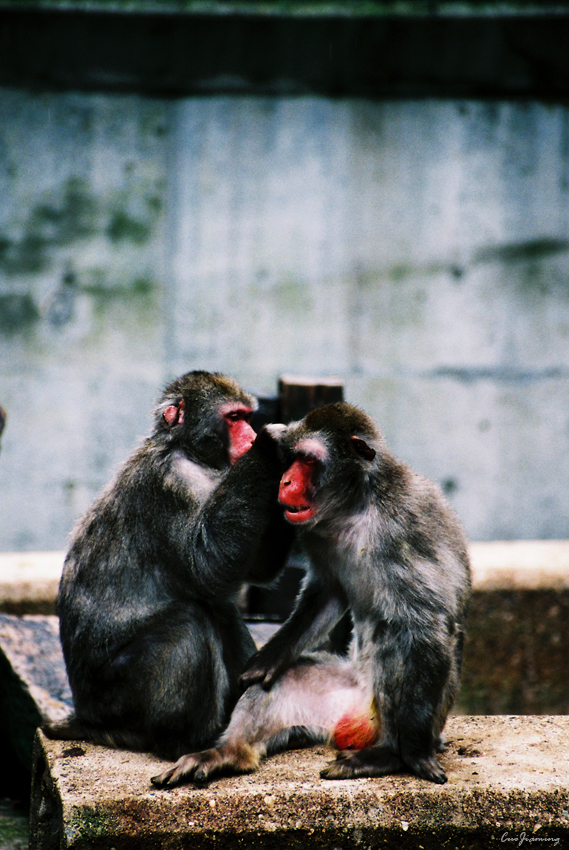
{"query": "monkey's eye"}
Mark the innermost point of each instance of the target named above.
(311, 463)
(238, 415)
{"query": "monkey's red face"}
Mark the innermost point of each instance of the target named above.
(295, 491)
(241, 435)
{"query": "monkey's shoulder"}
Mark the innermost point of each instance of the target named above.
(186, 477)
(169, 478)
(412, 511)
(114, 529)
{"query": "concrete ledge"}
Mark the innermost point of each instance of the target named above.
(520, 565)
(33, 681)
(508, 776)
(29, 580)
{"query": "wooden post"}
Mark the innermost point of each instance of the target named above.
(299, 395)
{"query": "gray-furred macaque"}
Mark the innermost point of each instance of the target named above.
(153, 641)
(383, 543)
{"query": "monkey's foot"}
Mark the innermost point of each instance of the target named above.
(381, 761)
(427, 768)
(374, 761)
(199, 768)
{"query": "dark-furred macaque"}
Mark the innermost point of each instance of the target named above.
(153, 641)
(383, 543)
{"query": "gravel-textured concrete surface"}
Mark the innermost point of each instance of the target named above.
(507, 776)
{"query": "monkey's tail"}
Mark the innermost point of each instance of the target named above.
(68, 730)
(73, 729)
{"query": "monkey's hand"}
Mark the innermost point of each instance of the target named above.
(267, 444)
(264, 670)
(200, 768)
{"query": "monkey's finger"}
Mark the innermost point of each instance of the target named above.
(250, 677)
(268, 682)
(271, 676)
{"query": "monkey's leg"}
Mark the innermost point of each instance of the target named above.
(169, 689)
(411, 691)
(310, 697)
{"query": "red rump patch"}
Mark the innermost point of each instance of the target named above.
(355, 732)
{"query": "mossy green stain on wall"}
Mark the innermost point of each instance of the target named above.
(51, 223)
(57, 234)
(77, 214)
(139, 286)
(532, 249)
(18, 312)
(124, 227)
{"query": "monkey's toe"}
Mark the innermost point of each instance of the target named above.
(161, 780)
(183, 771)
(337, 770)
(201, 776)
(429, 769)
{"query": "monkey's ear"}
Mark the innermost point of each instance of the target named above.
(174, 414)
(362, 449)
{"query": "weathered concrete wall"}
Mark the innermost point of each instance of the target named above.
(82, 185)
(418, 249)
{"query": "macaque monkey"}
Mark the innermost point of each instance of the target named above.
(384, 544)
(153, 640)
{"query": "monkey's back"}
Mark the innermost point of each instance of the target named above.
(113, 582)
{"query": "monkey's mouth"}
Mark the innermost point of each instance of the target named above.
(298, 514)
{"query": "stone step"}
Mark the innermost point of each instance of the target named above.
(508, 787)
(33, 681)
(516, 654)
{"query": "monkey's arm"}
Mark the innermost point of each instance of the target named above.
(317, 610)
(229, 532)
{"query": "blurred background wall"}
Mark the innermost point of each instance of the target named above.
(383, 198)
